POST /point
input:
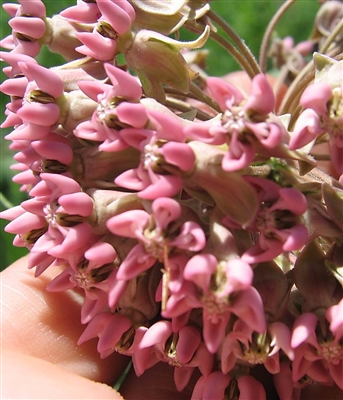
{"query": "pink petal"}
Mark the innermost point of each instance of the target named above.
(87, 13)
(130, 180)
(248, 306)
(113, 330)
(93, 89)
(128, 86)
(40, 114)
(96, 46)
(135, 263)
(163, 185)
(35, 8)
(115, 15)
(199, 270)
(303, 328)
(214, 332)
(179, 154)
(239, 276)
(250, 388)
(316, 97)
(128, 223)
(158, 333)
(101, 253)
(133, 114)
(307, 128)
(46, 79)
(77, 203)
(188, 343)
(223, 91)
(261, 97)
(165, 211)
(33, 27)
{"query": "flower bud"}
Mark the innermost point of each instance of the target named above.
(314, 281)
(274, 288)
(157, 60)
(234, 196)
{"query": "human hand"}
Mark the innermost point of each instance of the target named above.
(40, 357)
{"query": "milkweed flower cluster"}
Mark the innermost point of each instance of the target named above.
(201, 219)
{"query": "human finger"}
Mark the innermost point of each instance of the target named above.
(27, 377)
(47, 325)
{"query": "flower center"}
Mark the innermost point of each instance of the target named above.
(155, 244)
(259, 349)
(333, 121)
(331, 351)
(233, 120)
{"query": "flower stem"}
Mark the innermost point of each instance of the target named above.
(242, 47)
(268, 33)
(200, 95)
(331, 37)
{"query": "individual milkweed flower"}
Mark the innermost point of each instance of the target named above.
(278, 221)
(184, 350)
(114, 330)
(164, 157)
(90, 269)
(86, 12)
(219, 289)
(28, 23)
(112, 28)
(245, 125)
(159, 235)
(243, 344)
(52, 154)
(54, 220)
(118, 108)
(317, 348)
(323, 114)
(220, 386)
(43, 91)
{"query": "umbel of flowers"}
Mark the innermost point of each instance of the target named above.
(202, 217)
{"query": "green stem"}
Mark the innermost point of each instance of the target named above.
(200, 95)
(225, 44)
(331, 37)
(268, 33)
(297, 87)
(179, 105)
(242, 47)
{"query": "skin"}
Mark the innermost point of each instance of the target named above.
(40, 358)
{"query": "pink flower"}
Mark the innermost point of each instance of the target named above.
(54, 221)
(113, 330)
(277, 221)
(183, 349)
(84, 12)
(164, 157)
(158, 235)
(318, 349)
(217, 385)
(244, 124)
(91, 269)
(244, 344)
(220, 289)
(115, 21)
(322, 114)
(28, 26)
(118, 109)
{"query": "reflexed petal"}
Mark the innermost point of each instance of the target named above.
(303, 328)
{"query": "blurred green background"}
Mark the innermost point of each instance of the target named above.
(248, 18)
